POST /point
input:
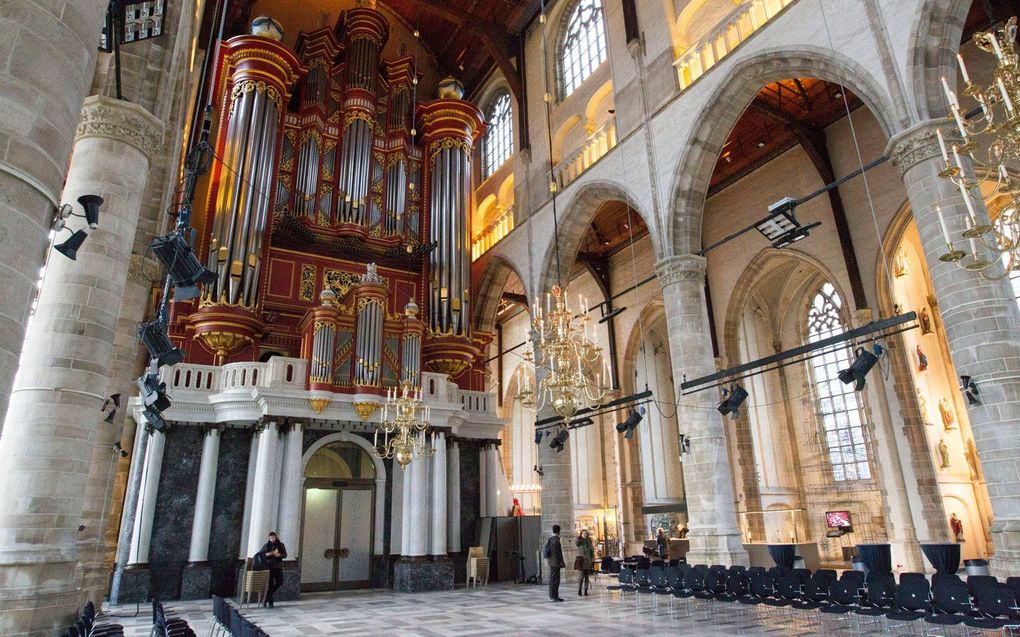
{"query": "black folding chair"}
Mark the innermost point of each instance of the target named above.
(994, 607)
(843, 599)
(738, 584)
(974, 582)
(950, 603)
(880, 592)
(911, 601)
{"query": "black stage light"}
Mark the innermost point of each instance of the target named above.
(862, 364)
(110, 416)
(180, 262)
(121, 451)
(628, 426)
(582, 422)
(685, 444)
(154, 420)
(91, 205)
(153, 392)
(732, 400)
(560, 440)
(154, 337)
(70, 247)
(970, 389)
(538, 436)
(115, 399)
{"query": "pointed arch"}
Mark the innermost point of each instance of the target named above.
(693, 173)
(932, 52)
(495, 274)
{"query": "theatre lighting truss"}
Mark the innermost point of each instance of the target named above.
(993, 243)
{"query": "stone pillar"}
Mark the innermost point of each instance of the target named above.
(127, 523)
(49, 55)
(249, 490)
(418, 541)
(202, 522)
(407, 493)
(557, 491)
(197, 577)
(714, 535)
(453, 499)
(146, 509)
(438, 510)
(291, 491)
(483, 491)
(982, 325)
(397, 511)
(54, 429)
(262, 488)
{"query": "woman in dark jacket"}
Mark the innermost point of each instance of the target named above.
(585, 561)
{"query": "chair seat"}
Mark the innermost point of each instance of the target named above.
(945, 620)
(750, 601)
(986, 623)
(904, 615)
(837, 609)
(705, 595)
(871, 612)
(805, 605)
(778, 603)
(728, 597)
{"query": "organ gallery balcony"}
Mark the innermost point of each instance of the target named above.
(245, 392)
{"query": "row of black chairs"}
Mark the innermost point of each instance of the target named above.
(87, 624)
(166, 626)
(980, 602)
(227, 620)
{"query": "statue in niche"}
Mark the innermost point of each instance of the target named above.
(922, 360)
(901, 266)
(925, 320)
(956, 524)
(948, 417)
(970, 451)
(922, 405)
(943, 454)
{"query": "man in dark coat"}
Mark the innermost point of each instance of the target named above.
(274, 551)
(554, 557)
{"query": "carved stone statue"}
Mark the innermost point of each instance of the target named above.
(943, 454)
(925, 320)
(948, 417)
(970, 451)
(371, 274)
(902, 264)
(922, 405)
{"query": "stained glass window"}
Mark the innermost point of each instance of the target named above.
(583, 47)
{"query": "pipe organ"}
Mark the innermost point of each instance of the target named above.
(338, 208)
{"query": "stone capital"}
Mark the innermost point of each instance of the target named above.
(920, 143)
(684, 267)
(123, 121)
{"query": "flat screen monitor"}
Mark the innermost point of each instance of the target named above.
(838, 520)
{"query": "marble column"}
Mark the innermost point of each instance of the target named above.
(146, 508)
(49, 440)
(453, 498)
(127, 523)
(437, 543)
(483, 490)
(405, 514)
(708, 480)
(201, 524)
(262, 488)
(397, 511)
(418, 520)
(47, 58)
(249, 490)
(291, 491)
(982, 327)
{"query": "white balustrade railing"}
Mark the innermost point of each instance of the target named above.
(599, 142)
(191, 377)
(492, 233)
(475, 401)
(732, 30)
(243, 376)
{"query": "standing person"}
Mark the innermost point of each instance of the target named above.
(554, 556)
(662, 544)
(585, 561)
(274, 551)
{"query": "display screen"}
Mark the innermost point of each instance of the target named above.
(837, 519)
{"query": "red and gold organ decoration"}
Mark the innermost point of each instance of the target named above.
(335, 213)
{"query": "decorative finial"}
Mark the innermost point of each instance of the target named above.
(266, 27)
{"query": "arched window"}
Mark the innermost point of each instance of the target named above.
(498, 143)
(583, 47)
(837, 405)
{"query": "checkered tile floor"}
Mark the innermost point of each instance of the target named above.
(503, 609)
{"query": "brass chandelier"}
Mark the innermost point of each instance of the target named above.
(404, 435)
(574, 379)
(998, 238)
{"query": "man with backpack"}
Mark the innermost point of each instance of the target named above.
(553, 553)
(272, 555)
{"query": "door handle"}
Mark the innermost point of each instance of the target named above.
(344, 553)
(329, 554)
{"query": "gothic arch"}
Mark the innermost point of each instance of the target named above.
(380, 477)
(574, 219)
(691, 177)
(933, 47)
(490, 288)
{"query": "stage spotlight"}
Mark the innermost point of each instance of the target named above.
(110, 416)
(560, 440)
(538, 437)
(732, 399)
(685, 444)
(91, 205)
(628, 426)
(121, 451)
(537, 469)
(180, 262)
(969, 388)
(153, 392)
(862, 364)
(115, 399)
(70, 247)
(154, 420)
(153, 335)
